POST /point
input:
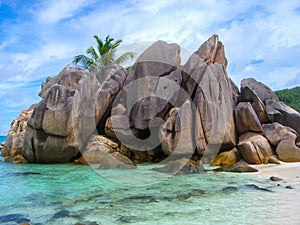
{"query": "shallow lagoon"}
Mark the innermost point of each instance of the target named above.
(67, 194)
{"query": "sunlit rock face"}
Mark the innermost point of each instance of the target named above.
(159, 110)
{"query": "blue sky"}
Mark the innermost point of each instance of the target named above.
(39, 38)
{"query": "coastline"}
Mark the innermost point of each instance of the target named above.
(287, 191)
(289, 172)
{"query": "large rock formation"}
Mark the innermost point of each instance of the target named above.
(50, 135)
(255, 149)
(14, 145)
(205, 80)
(286, 139)
(246, 118)
(277, 110)
(160, 110)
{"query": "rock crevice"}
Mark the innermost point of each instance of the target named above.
(159, 110)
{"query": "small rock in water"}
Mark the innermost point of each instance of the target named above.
(229, 189)
(289, 187)
(24, 223)
(273, 178)
(141, 198)
(25, 173)
(87, 223)
(18, 218)
(255, 187)
(61, 214)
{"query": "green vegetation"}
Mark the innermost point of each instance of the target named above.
(291, 97)
(103, 55)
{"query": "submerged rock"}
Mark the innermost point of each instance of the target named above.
(26, 173)
(229, 189)
(61, 214)
(182, 166)
(255, 187)
(116, 160)
(17, 218)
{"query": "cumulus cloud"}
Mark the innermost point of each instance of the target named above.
(54, 11)
(39, 38)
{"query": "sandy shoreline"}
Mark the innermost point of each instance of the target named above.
(287, 171)
(288, 200)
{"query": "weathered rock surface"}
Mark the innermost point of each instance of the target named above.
(111, 81)
(14, 144)
(116, 160)
(283, 114)
(286, 139)
(157, 80)
(240, 167)
(277, 110)
(287, 150)
(261, 90)
(255, 149)
(177, 132)
(158, 60)
(97, 149)
(246, 118)
(206, 71)
(2, 145)
(227, 158)
(161, 110)
(248, 95)
(182, 166)
(49, 137)
(104, 151)
(276, 132)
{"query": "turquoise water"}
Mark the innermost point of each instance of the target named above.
(70, 194)
(67, 194)
(2, 138)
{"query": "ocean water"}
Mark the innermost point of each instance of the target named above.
(2, 138)
(69, 194)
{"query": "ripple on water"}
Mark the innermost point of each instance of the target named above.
(66, 194)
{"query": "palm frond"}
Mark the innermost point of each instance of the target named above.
(91, 51)
(101, 56)
(83, 61)
(99, 43)
(123, 58)
(108, 57)
(116, 44)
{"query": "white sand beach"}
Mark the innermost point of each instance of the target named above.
(287, 171)
(288, 204)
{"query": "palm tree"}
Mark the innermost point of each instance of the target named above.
(102, 56)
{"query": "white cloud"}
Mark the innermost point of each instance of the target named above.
(36, 47)
(148, 5)
(56, 10)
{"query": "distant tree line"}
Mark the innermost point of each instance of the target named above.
(291, 97)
